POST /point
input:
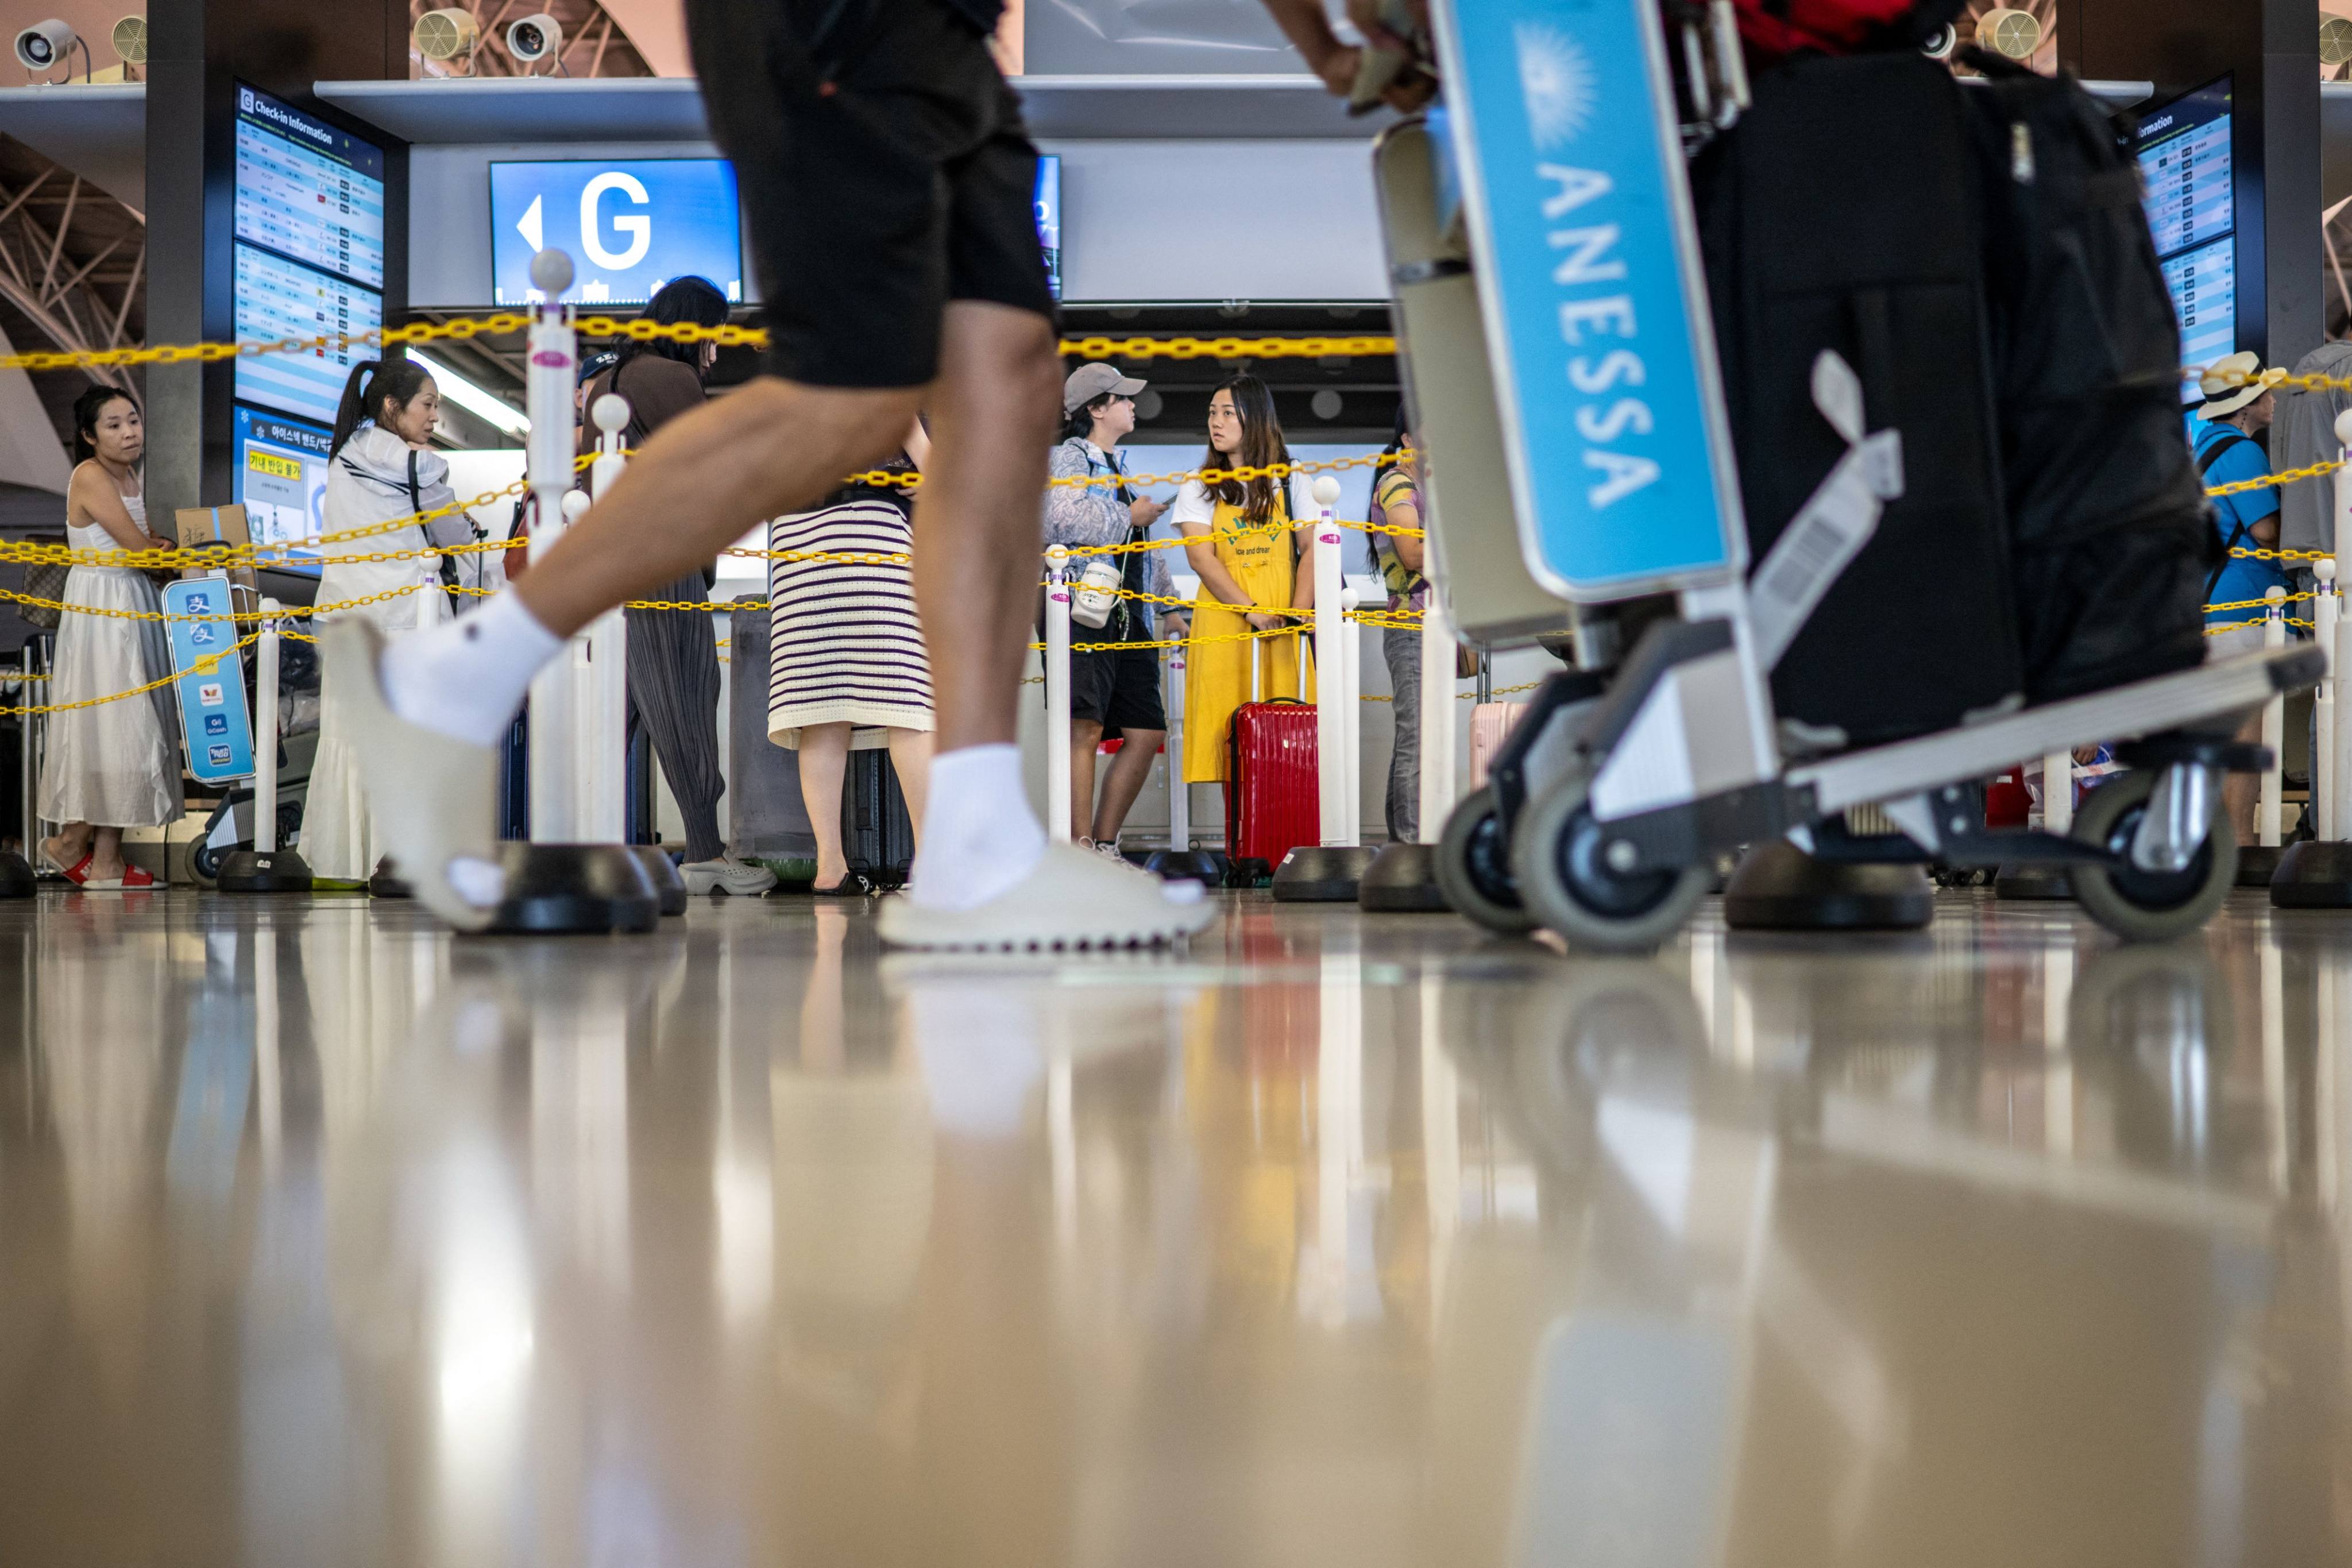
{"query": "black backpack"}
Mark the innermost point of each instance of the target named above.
(1841, 213)
(2113, 541)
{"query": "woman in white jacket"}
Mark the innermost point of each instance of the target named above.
(378, 469)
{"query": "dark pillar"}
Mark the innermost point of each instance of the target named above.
(198, 51)
(2272, 47)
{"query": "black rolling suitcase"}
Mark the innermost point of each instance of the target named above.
(2110, 532)
(1842, 213)
(877, 836)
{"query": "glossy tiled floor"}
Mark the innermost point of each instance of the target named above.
(1336, 1240)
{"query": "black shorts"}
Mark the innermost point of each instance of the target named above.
(883, 174)
(1117, 689)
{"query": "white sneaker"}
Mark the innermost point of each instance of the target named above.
(1109, 849)
(726, 875)
(435, 809)
(1071, 898)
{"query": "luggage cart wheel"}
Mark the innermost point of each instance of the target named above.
(1561, 854)
(2149, 906)
(1474, 867)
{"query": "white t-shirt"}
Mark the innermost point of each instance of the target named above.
(1195, 507)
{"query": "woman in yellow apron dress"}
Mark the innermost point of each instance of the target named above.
(1241, 544)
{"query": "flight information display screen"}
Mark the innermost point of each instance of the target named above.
(281, 478)
(310, 251)
(2186, 171)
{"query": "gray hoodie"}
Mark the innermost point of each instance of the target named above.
(2304, 432)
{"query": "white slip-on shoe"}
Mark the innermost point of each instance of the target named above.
(1071, 898)
(725, 875)
(432, 799)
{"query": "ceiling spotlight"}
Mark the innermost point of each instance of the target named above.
(446, 35)
(1941, 43)
(2006, 31)
(45, 46)
(536, 38)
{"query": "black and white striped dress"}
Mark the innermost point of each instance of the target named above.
(844, 645)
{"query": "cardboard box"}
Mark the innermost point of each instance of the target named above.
(198, 526)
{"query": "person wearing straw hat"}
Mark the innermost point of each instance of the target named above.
(2238, 404)
(1114, 692)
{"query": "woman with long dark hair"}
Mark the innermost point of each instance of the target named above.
(115, 765)
(674, 654)
(380, 467)
(1243, 541)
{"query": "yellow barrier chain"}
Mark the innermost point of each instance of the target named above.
(2277, 481)
(643, 331)
(203, 666)
(1468, 696)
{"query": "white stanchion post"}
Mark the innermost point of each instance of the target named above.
(1058, 694)
(1179, 793)
(2058, 792)
(2267, 809)
(1330, 715)
(2340, 756)
(264, 732)
(549, 381)
(602, 762)
(1351, 655)
(2323, 606)
(1436, 699)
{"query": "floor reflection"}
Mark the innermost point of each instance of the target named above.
(1338, 1240)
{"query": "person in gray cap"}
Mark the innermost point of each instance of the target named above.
(1114, 692)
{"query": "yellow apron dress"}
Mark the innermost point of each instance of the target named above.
(1217, 674)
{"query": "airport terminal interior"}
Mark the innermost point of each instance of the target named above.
(1667, 880)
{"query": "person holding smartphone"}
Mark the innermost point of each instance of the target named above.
(1114, 692)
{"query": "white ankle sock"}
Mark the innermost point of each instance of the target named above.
(465, 678)
(979, 835)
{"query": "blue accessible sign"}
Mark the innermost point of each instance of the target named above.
(1580, 227)
(211, 689)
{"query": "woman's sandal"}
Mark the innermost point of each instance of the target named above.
(852, 886)
(78, 873)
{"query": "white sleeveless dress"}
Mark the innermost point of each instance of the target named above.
(117, 764)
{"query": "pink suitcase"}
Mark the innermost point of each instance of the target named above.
(1490, 724)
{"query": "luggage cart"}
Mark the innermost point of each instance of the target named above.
(1558, 359)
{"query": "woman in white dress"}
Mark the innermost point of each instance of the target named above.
(117, 764)
(378, 468)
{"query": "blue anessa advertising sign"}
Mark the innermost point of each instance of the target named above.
(210, 687)
(1572, 171)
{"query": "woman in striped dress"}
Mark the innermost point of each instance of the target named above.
(847, 668)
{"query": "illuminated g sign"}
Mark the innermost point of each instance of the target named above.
(637, 226)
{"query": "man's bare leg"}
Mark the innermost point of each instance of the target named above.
(979, 516)
(705, 479)
(978, 533)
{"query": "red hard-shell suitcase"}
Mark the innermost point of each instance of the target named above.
(1272, 804)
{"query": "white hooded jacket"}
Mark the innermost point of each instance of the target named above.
(369, 482)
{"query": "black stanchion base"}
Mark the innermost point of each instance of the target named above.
(17, 878)
(1321, 874)
(1188, 865)
(555, 888)
(1779, 886)
(669, 888)
(2313, 876)
(2258, 863)
(1402, 880)
(2033, 879)
(383, 884)
(251, 871)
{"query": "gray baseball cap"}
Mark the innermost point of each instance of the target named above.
(1089, 381)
